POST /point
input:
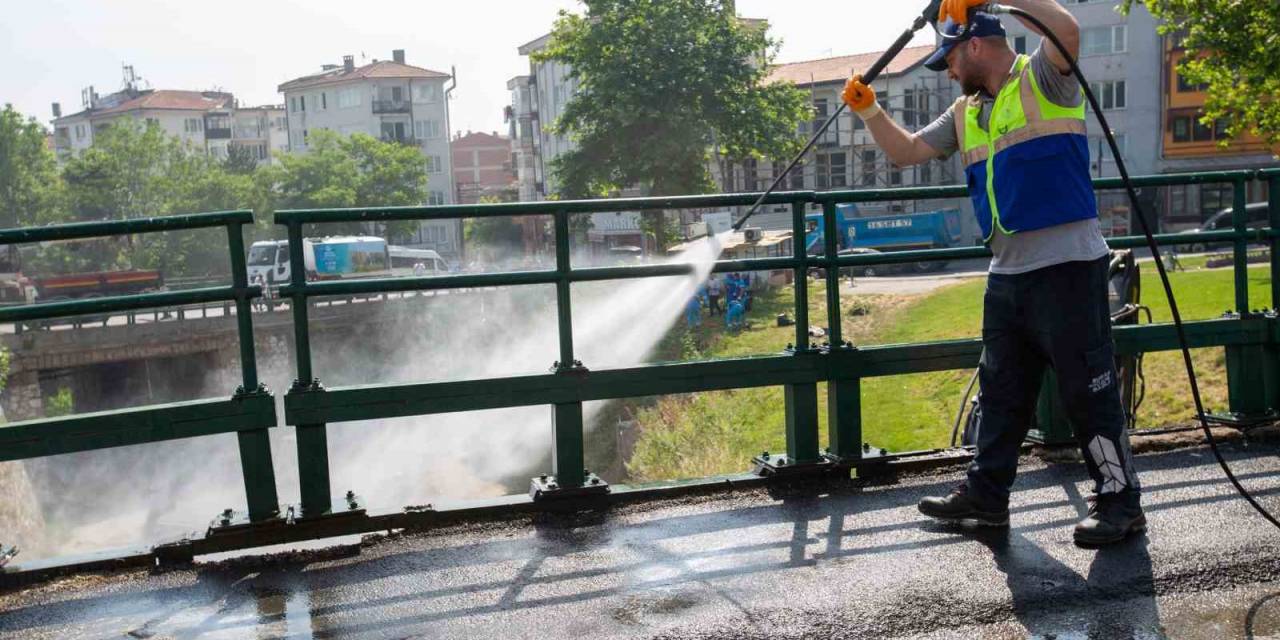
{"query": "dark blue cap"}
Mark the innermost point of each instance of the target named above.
(981, 25)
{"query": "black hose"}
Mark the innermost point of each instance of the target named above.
(1155, 251)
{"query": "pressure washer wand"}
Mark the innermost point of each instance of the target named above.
(928, 16)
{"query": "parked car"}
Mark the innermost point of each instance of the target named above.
(866, 271)
(1257, 216)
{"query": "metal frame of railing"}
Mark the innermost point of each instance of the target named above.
(249, 413)
(1250, 338)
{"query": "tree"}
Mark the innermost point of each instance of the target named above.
(660, 84)
(30, 190)
(1232, 47)
(355, 171)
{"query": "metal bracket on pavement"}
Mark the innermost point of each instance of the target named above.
(780, 465)
(870, 459)
(546, 488)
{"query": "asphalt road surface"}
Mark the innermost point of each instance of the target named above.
(858, 562)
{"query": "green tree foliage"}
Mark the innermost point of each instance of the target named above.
(29, 185)
(660, 85)
(1233, 46)
(355, 171)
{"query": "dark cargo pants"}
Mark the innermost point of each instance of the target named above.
(1058, 316)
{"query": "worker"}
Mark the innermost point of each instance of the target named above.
(735, 317)
(1020, 129)
(693, 312)
(715, 289)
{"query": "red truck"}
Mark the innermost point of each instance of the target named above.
(96, 285)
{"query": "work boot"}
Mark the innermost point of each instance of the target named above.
(959, 506)
(1112, 517)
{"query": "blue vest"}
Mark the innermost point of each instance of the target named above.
(1030, 169)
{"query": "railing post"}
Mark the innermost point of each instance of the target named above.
(1274, 240)
(844, 391)
(1240, 220)
(312, 439)
(800, 399)
(1251, 368)
(255, 445)
(568, 455)
(831, 252)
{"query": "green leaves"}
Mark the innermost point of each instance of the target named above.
(1233, 46)
(661, 85)
(29, 187)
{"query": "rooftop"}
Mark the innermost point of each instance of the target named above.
(374, 70)
(161, 99)
(839, 69)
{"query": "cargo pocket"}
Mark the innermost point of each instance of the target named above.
(1101, 367)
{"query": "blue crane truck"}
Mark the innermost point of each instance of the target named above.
(903, 232)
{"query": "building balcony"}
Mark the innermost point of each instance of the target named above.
(217, 134)
(392, 106)
(408, 141)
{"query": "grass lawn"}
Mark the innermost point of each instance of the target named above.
(712, 433)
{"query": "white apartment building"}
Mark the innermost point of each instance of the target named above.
(390, 100)
(199, 118)
(523, 130)
(263, 131)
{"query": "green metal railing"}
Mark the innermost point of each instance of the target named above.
(248, 414)
(310, 407)
(1251, 341)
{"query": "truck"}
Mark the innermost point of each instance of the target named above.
(330, 258)
(929, 230)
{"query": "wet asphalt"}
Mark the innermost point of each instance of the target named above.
(856, 562)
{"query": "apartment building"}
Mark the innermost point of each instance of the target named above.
(846, 156)
(482, 167)
(391, 100)
(199, 118)
(521, 117)
(1192, 146)
(262, 131)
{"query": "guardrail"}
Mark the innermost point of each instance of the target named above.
(1249, 337)
(309, 406)
(249, 413)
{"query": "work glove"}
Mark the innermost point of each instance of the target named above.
(958, 10)
(861, 98)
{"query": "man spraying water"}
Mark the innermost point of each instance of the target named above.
(1020, 128)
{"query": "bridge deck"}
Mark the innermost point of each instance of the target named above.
(858, 562)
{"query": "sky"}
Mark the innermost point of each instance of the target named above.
(55, 48)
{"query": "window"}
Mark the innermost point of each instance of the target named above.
(153, 122)
(1181, 129)
(193, 125)
(1187, 87)
(1019, 44)
(750, 175)
(831, 170)
(397, 94)
(925, 173)
(293, 104)
(437, 198)
(1220, 129)
(428, 93)
(869, 168)
(426, 129)
(324, 101)
(1112, 95)
(1099, 148)
(348, 98)
(79, 132)
(434, 164)
(797, 177)
(302, 102)
(1214, 198)
(895, 176)
(1200, 132)
(909, 108)
(1103, 40)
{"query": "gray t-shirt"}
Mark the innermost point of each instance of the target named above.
(1029, 250)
